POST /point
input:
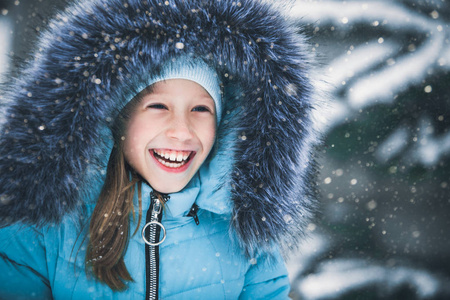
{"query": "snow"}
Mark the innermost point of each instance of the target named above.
(379, 85)
(393, 145)
(377, 70)
(360, 59)
(430, 148)
(5, 37)
(363, 72)
(339, 277)
(395, 67)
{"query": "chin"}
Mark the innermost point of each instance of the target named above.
(167, 190)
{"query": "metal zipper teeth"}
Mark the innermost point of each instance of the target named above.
(153, 264)
(152, 252)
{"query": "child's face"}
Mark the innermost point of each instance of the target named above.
(170, 133)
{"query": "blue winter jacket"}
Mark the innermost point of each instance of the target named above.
(196, 261)
(255, 192)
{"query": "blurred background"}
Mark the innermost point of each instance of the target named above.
(383, 230)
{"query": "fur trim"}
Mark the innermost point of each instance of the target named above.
(97, 53)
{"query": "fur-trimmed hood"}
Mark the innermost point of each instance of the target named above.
(97, 53)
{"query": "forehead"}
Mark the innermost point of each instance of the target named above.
(181, 87)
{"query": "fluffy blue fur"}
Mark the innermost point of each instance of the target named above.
(94, 55)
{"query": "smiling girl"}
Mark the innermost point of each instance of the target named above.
(170, 133)
(157, 150)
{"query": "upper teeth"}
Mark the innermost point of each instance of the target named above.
(173, 155)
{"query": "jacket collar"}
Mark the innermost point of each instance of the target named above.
(206, 189)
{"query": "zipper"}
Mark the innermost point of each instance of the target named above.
(151, 236)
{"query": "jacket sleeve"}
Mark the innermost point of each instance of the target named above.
(23, 266)
(266, 279)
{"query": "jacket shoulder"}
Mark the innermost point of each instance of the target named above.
(23, 263)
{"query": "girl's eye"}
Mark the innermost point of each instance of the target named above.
(157, 106)
(201, 109)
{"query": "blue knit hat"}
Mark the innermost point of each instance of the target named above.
(196, 70)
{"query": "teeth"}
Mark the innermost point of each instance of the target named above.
(174, 156)
(171, 165)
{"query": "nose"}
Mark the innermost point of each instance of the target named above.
(179, 129)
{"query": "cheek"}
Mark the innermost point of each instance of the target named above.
(129, 152)
(209, 136)
(132, 142)
(136, 134)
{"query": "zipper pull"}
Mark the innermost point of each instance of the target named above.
(157, 206)
(193, 213)
(155, 219)
(156, 209)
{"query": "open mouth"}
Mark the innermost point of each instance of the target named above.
(172, 159)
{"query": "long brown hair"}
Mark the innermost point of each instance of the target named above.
(109, 229)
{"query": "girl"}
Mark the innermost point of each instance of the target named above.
(159, 150)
